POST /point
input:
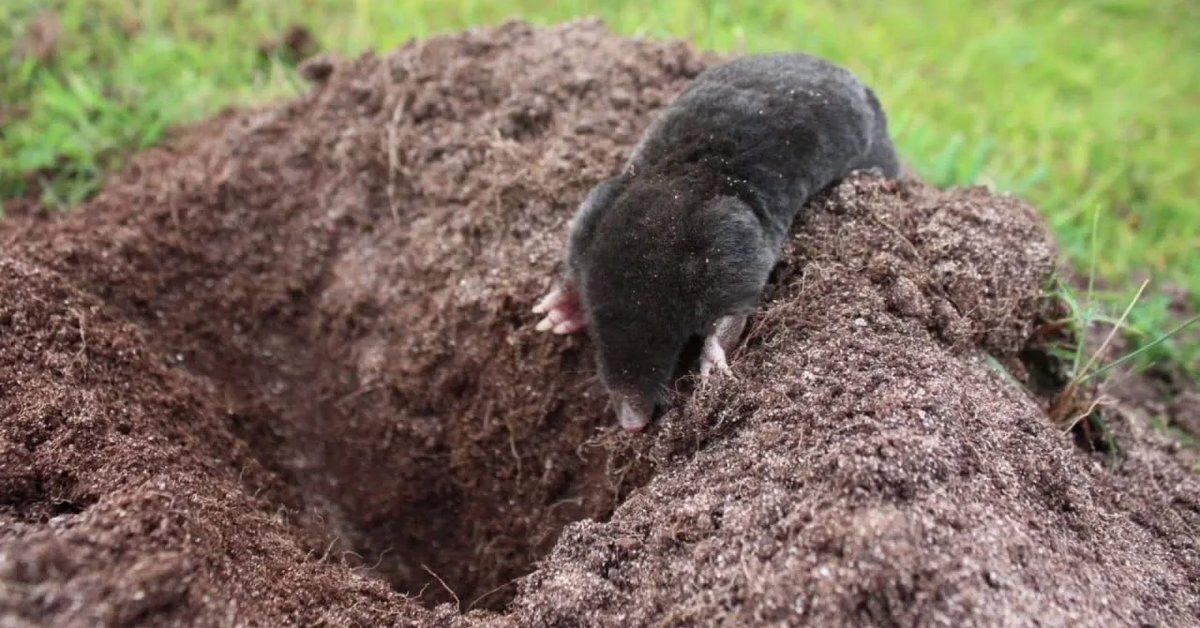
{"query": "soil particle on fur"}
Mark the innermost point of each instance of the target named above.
(282, 373)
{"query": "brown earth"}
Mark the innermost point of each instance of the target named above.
(283, 372)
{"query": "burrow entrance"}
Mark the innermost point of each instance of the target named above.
(456, 486)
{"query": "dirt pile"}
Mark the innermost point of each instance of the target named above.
(283, 372)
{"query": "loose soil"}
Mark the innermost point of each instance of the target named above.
(282, 372)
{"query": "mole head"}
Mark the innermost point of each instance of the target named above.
(657, 265)
(637, 351)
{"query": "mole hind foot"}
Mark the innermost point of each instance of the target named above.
(722, 340)
(563, 311)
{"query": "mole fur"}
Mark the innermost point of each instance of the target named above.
(688, 233)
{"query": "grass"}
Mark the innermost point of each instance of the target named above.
(1079, 406)
(1085, 108)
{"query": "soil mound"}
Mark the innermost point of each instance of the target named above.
(283, 373)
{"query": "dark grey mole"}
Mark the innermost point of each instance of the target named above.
(679, 246)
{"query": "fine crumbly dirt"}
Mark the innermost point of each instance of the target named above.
(283, 372)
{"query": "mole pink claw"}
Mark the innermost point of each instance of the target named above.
(563, 311)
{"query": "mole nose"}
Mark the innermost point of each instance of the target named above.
(633, 411)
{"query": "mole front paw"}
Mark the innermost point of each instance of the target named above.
(724, 337)
(713, 357)
(563, 309)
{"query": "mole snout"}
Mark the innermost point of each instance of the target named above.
(634, 410)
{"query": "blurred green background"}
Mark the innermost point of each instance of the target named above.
(1088, 109)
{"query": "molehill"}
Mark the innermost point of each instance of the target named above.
(282, 372)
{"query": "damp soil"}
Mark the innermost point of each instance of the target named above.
(283, 372)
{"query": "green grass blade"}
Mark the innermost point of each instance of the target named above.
(1144, 348)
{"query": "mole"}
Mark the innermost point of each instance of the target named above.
(677, 249)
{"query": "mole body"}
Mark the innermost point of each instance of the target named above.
(680, 244)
